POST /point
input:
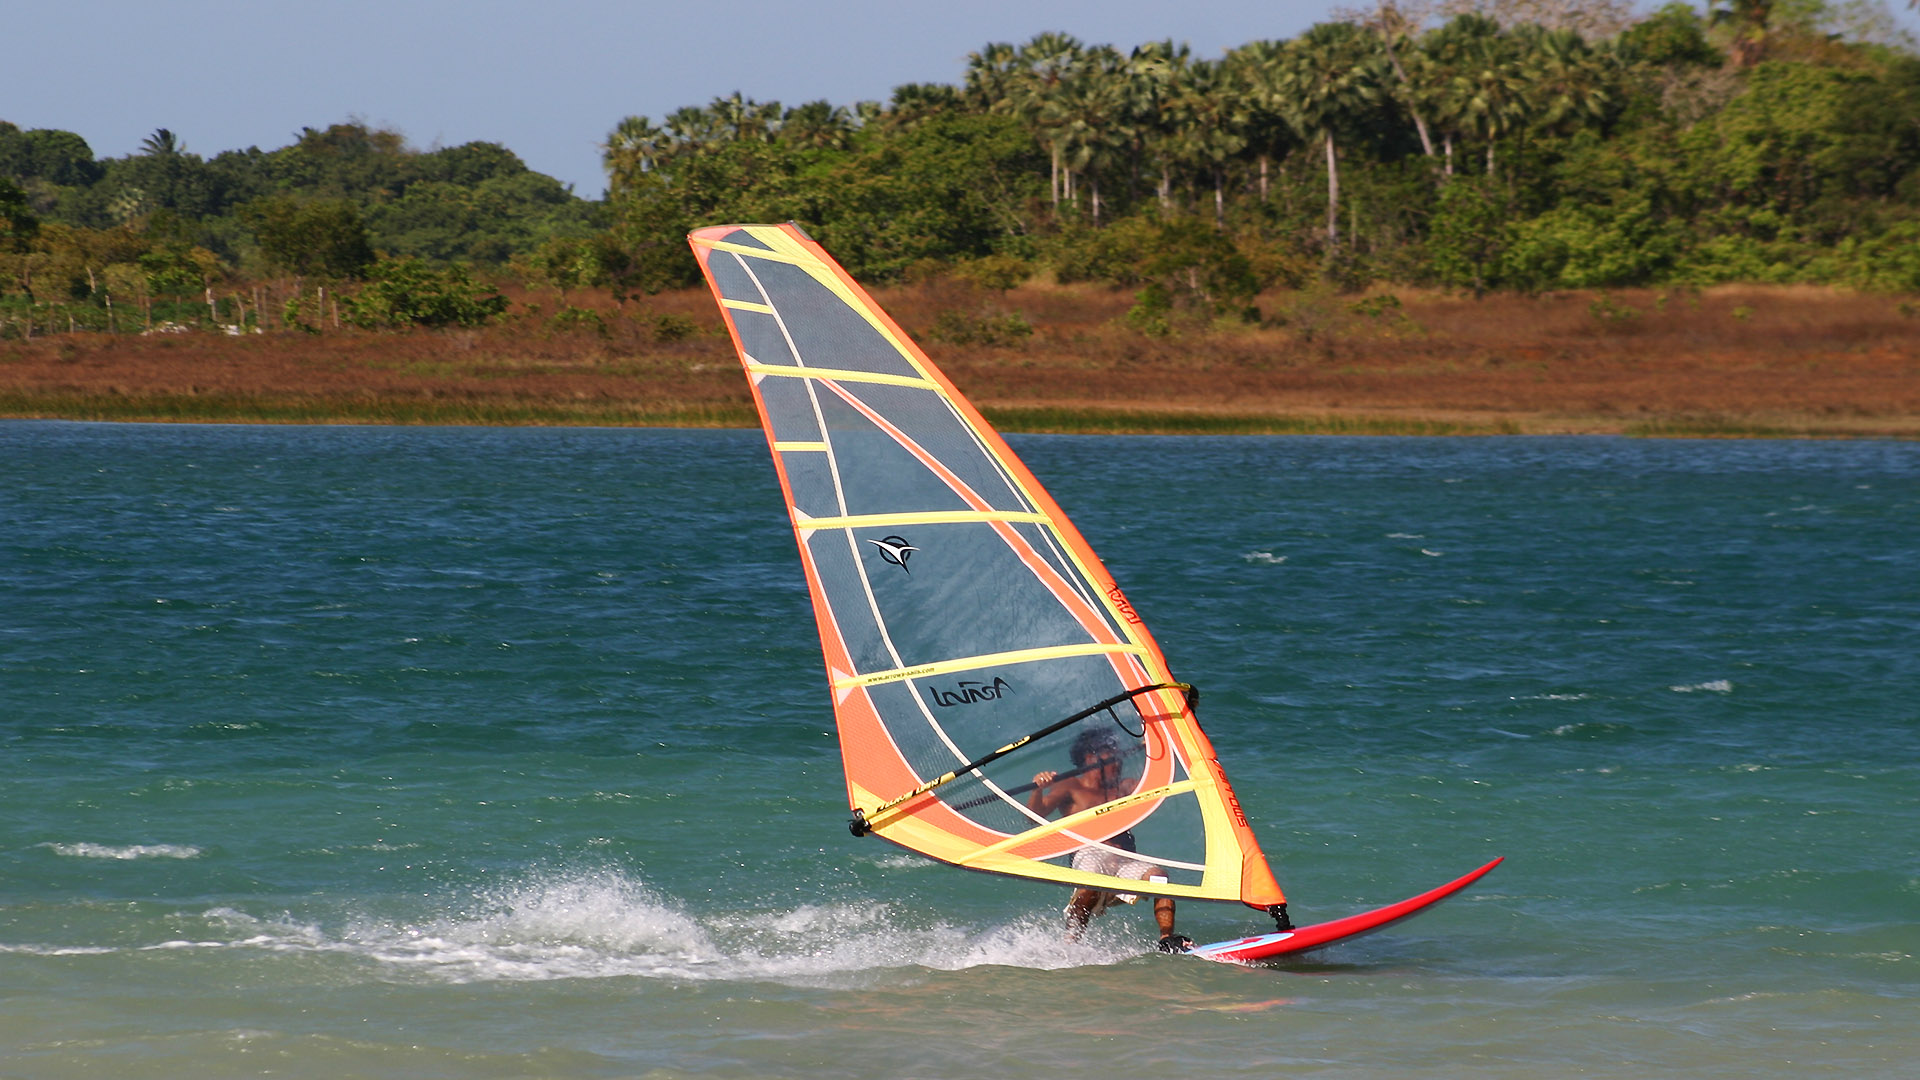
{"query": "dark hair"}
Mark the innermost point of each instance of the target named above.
(1090, 742)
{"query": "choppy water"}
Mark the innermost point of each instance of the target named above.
(465, 753)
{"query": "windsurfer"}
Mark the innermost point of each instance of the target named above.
(1096, 778)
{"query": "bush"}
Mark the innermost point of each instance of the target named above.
(1889, 262)
(408, 292)
(996, 272)
(671, 327)
(960, 328)
(571, 319)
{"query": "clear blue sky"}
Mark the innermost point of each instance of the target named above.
(548, 80)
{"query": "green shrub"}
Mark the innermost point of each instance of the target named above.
(996, 272)
(571, 319)
(670, 327)
(408, 292)
(1001, 331)
(1889, 262)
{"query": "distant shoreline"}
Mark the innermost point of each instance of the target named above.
(1778, 363)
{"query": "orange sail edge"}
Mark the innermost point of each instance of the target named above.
(866, 747)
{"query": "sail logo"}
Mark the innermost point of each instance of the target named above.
(968, 692)
(1120, 603)
(1233, 801)
(896, 550)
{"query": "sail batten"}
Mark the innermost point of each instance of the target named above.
(976, 663)
(981, 661)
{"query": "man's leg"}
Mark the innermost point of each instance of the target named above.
(1163, 915)
(1084, 906)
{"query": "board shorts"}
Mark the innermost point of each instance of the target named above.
(1099, 860)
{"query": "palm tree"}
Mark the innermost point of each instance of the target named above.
(691, 126)
(1086, 118)
(1329, 74)
(913, 102)
(1394, 29)
(742, 119)
(991, 74)
(1044, 65)
(817, 125)
(162, 144)
(1490, 92)
(1567, 80)
(1257, 68)
(1153, 77)
(1211, 115)
(633, 149)
(1440, 65)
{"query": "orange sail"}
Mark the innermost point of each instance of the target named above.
(973, 640)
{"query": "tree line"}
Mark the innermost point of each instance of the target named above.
(237, 237)
(1497, 144)
(1521, 145)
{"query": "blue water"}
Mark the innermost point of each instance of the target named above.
(492, 752)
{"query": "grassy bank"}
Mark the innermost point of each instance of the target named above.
(1752, 362)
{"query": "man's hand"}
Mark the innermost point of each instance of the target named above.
(1043, 779)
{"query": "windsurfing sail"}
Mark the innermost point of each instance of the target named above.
(973, 641)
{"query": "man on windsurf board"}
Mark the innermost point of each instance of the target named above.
(1095, 780)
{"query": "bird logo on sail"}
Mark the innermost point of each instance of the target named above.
(895, 550)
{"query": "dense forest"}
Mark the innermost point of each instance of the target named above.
(1518, 145)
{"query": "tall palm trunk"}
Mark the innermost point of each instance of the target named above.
(1333, 195)
(1419, 123)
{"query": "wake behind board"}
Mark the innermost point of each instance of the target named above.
(1267, 946)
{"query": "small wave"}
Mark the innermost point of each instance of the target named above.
(1713, 686)
(604, 925)
(1264, 558)
(1430, 553)
(1406, 536)
(124, 851)
(55, 950)
(1590, 729)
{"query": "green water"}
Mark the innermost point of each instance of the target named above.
(490, 752)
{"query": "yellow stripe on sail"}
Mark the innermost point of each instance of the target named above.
(790, 447)
(840, 375)
(920, 835)
(747, 305)
(1039, 832)
(971, 663)
(758, 253)
(924, 517)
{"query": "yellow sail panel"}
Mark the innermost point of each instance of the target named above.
(1000, 705)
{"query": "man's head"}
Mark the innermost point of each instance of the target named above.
(1094, 743)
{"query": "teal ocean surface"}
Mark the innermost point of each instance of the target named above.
(379, 752)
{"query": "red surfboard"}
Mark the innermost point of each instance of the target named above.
(1267, 946)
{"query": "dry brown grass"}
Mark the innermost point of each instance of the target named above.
(1794, 361)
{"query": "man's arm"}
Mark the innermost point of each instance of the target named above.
(1047, 796)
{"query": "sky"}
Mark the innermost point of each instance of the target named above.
(547, 80)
